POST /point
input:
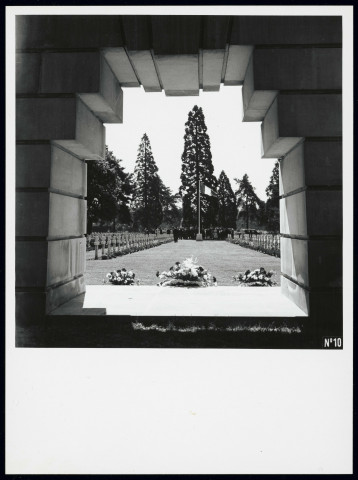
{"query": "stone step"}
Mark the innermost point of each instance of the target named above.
(292, 69)
(291, 117)
(74, 127)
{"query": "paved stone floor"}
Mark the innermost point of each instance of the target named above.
(221, 258)
(181, 302)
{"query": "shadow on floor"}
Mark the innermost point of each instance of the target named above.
(169, 332)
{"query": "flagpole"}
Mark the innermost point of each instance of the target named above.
(199, 236)
(199, 209)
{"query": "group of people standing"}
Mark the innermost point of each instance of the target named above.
(208, 233)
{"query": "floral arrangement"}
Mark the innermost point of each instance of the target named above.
(121, 277)
(255, 278)
(186, 274)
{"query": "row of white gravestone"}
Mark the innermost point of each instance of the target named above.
(114, 244)
(267, 241)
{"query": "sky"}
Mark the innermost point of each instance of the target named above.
(235, 145)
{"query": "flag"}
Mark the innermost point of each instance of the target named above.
(207, 190)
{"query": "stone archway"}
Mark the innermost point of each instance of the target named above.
(70, 70)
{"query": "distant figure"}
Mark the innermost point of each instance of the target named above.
(175, 235)
(161, 231)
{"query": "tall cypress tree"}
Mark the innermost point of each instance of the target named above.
(227, 211)
(247, 199)
(197, 167)
(146, 198)
(273, 201)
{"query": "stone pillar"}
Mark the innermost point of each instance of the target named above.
(296, 92)
(63, 94)
(311, 229)
(50, 227)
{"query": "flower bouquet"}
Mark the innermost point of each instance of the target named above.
(255, 278)
(186, 274)
(121, 277)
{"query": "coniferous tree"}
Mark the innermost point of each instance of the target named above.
(227, 211)
(109, 190)
(147, 208)
(172, 213)
(273, 201)
(197, 166)
(247, 200)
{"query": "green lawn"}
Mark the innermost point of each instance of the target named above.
(221, 258)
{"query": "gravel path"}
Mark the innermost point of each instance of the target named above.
(221, 258)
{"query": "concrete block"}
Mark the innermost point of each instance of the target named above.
(313, 263)
(311, 163)
(312, 212)
(325, 263)
(272, 144)
(297, 68)
(32, 214)
(293, 216)
(286, 30)
(119, 62)
(68, 31)
(68, 121)
(111, 91)
(255, 103)
(271, 70)
(33, 166)
(324, 212)
(292, 117)
(67, 216)
(78, 149)
(28, 72)
(89, 130)
(176, 34)
(70, 72)
(66, 259)
(30, 308)
(326, 312)
(179, 74)
(294, 259)
(310, 115)
(63, 293)
(88, 74)
(31, 264)
(45, 118)
(237, 63)
(137, 31)
(212, 69)
(145, 68)
(107, 105)
(323, 162)
(292, 170)
(298, 295)
(68, 173)
(259, 104)
(215, 30)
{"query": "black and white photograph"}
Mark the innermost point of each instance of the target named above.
(198, 154)
(178, 177)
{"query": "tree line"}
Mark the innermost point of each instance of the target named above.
(141, 201)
